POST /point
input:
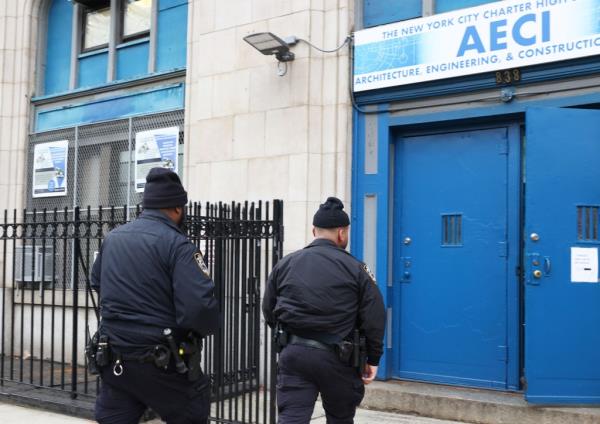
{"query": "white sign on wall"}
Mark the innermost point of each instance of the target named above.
(155, 149)
(584, 264)
(50, 169)
(500, 35)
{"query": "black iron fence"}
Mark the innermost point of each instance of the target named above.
(47, 306)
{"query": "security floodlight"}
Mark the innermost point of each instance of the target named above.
(268, 43)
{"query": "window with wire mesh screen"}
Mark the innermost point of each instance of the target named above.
(101, 161)
(452, 230)
(100, 173)
(587, 223)
(152, 122)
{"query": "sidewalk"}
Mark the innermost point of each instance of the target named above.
(11, 414)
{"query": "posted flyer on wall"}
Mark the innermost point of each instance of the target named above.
(153, 149)
(496, 36)
(584, 264)
(50, 169)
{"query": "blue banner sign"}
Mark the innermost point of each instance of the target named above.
(500, 35)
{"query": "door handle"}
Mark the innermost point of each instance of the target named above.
(547, 265)
(537, 273)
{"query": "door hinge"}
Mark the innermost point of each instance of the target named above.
(503, 249)
(503, 147)
(503, 353)
(390, 323)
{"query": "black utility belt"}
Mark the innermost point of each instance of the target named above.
(350, 352)
(159, 355)
(185, 356)
(297, 340)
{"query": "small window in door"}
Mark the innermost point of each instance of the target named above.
(587, 223)
(452, 230)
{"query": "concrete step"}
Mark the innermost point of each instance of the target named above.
(469, 405)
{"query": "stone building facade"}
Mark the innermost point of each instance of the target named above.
(249, 133)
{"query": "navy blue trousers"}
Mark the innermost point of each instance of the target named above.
(303, 373)
(123, 399)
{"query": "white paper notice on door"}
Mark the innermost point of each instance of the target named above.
(584, 264)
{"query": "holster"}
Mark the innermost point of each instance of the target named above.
(90, 354)
(280, 338)
(97, 352)
(192, 352)
(345, 350)
(359, 351)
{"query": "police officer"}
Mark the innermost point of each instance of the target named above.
(151, 278)
(319, 296)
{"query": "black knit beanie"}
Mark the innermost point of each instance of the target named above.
(163, 190)
(331, 214)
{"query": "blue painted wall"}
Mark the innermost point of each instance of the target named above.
(171, 49)
(448, 5)
(377, 184)
(132, 60)
(58, 48)
(379, 12)
(161, 99)
(93, 69)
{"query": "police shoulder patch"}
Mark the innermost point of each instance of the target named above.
(369, 273)
(200, 261)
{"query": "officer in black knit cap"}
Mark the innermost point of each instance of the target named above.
(156, 295)
(327, 313)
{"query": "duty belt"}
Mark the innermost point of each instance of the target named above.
(297, 340)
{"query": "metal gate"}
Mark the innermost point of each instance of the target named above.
(101, 160)
(46, 305)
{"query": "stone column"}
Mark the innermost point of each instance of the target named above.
(18, 49)
(251, 134)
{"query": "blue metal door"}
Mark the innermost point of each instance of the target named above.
(562, 294)
(456, 252)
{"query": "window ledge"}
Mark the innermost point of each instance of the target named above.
(133, 42)
(112, 86)
(93, 53)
